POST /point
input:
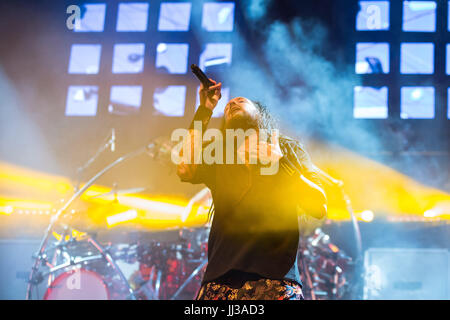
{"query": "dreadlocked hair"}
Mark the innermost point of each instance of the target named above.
(266, 120)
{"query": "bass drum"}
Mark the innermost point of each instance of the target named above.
(77, 284)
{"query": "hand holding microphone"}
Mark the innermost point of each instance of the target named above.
(209, 89)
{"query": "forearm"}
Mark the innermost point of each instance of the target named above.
(308, 187)
(192, 145)
(314, 200)
(307, 190)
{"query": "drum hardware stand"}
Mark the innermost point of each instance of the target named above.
(54, 219)
(158, 284)
(108, 142)
(189, 279)
(356, 233)
(113, 264)
(356, 290)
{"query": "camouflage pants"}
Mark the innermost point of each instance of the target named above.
(263, 289)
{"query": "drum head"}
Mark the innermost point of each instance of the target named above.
(77, 284)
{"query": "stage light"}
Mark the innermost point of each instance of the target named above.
(367, 215)
(416, 94)
(161, 47)
(441, 208)
(7, 210)
(362, 67)
(121, 217)
(430, 213)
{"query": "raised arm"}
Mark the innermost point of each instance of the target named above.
(187, 169)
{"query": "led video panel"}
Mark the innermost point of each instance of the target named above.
(373, 15)
(125, 100)
(174, 16)
(218, 16)
(215, 56)
(417, 58)
(132, 16)
(417, 103)
(92, 18)
(84, 58)
(170, 100)
(128, 58)
(419, 16)
(372, 57)
(82, 101)
(370, 102)
(172, 57)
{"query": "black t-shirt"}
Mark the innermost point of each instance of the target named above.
(254, 232)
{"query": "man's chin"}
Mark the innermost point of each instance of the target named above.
(241, 121)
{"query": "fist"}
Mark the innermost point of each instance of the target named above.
(211, 96)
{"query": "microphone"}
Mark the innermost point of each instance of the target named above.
(201, 76)
(113, 140)
(327, 178)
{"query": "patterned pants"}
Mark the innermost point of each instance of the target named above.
(263, 289)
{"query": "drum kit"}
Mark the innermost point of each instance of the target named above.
(81, 268)
(148, 265)
(326, 271)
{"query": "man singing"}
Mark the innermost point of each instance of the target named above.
(253, 242)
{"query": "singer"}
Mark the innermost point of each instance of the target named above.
(253, 243)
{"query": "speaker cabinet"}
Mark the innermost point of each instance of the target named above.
(406, 274)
